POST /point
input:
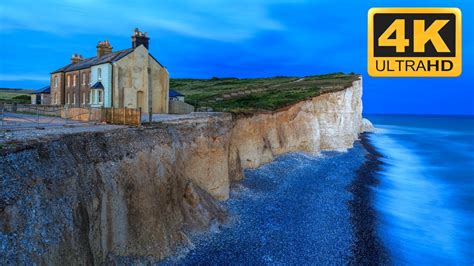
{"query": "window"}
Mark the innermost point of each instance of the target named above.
(74, 80)
(56, 82)
(100, 96)
(83, 98)
(55, 98)
(83, 78)
(68, 80)
(99, 73)
(89, 78)
(68, 98)
(74, 97)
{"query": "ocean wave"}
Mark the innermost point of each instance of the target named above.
(418, 223)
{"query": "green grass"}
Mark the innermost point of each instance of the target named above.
(15, 95)
(277, 92)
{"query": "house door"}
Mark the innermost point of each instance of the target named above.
(141, 100)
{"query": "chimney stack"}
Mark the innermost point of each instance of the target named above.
(139, 38)
(75, 58)
(103, 48)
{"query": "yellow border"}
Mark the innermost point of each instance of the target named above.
(415, 10)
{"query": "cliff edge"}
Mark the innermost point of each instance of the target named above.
(93, 197)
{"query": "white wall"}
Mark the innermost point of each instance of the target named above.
(106, 79)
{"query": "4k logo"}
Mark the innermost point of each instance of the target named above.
(414, 42)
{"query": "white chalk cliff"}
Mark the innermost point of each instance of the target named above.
(100, 196)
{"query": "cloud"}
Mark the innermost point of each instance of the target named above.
(20, 77)
(216, 20)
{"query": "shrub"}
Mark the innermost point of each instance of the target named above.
(22, 97)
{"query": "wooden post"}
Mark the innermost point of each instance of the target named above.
(124, 115)
(112, 115)
(37, 117)
(150, 115)
(65, 113)
(140, 117)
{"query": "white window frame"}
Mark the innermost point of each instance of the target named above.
(100, 96)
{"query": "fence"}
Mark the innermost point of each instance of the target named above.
(125, 116)
(26, 115)
(48, 110)
(14, 117)
(82, 114)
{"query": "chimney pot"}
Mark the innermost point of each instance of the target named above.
(75, 58)
(139, 38)
(103, 48)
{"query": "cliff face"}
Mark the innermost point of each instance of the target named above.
(331, 121)
(97, 197)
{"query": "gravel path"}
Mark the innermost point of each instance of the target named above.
(20, 128)
(292, 211)
(24, 127)
(32, 134)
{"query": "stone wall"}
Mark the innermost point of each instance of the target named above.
(178, 107)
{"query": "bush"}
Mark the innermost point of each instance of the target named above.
(22, 97)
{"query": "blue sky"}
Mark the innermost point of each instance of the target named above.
(245, 38)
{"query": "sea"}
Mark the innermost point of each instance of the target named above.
(297, 210)
(425, 196)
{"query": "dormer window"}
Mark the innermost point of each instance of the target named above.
(99, 73)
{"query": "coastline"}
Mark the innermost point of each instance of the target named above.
(367, 248)
(108, 180)
(267, 228)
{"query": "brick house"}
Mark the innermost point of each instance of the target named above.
(130, 78)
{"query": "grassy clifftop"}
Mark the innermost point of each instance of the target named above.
(259, 94)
